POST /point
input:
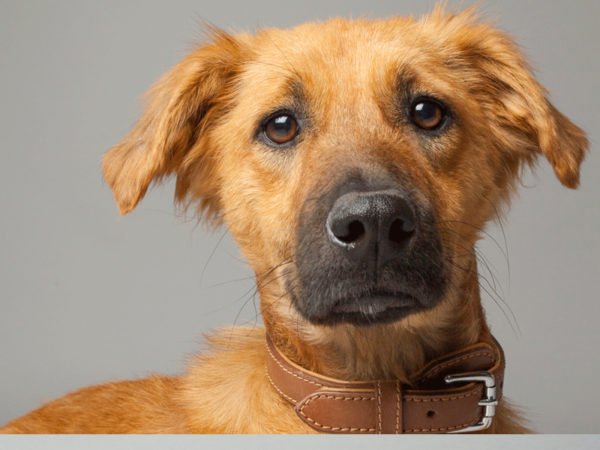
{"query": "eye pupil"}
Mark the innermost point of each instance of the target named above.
(282, 125)
(426, 111)
(281, 129)
(427, 114)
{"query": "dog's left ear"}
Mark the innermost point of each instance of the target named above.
(173, 124)
(523, 120)
(564, 145)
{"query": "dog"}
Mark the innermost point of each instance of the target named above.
(355, 162)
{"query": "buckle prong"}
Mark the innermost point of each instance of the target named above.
(489, 401)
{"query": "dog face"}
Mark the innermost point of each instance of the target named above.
(355, 162)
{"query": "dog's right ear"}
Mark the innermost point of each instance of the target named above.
(173, 123)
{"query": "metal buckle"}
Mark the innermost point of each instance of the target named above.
(489, 400)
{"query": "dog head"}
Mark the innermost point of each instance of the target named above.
(355, 163)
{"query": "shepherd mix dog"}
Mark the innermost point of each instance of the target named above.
(356, 163)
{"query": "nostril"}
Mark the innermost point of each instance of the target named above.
(375, 223)
(400, 231)
(353, 233)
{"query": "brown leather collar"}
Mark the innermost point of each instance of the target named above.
(455, 393)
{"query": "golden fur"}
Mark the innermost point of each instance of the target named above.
(199, 125)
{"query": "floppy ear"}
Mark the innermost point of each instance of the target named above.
(174, 121)
(524, 121)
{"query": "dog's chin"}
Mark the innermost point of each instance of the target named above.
(370, 310)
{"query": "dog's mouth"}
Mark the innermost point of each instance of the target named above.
(374, 308)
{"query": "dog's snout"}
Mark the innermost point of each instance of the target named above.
(372, 223)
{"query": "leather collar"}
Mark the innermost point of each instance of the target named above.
(455, 393)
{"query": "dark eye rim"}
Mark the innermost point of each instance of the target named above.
(446, 114)
(262, 132)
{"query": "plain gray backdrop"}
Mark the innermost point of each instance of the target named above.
(88, 296)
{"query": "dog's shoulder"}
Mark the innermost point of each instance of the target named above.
(510, 419)
(226, 389)
(138, 406)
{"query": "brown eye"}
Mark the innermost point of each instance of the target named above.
(281, 129)
(427, 114)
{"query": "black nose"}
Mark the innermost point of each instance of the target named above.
(378, 223)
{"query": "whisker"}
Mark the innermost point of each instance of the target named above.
(224, 283)
(479, 229)
(263, 282)
(501, 225)
(496, 298)
(211, 255)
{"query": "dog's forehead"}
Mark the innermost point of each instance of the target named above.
(341, 40)
(344, 60)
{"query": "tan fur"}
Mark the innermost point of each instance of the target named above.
(200, 124)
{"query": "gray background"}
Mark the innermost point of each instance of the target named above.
(87, 296)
